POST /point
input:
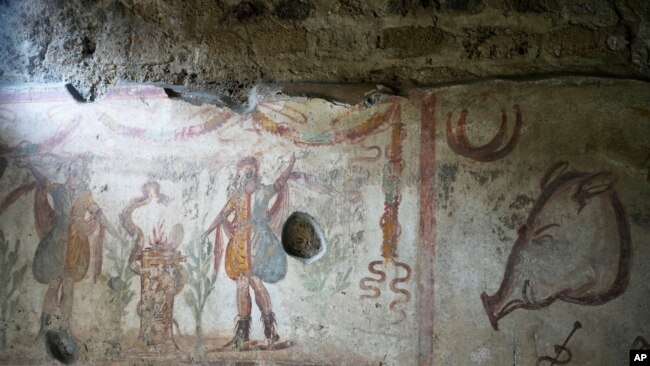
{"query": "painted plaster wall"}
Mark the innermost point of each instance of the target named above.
(420, 210)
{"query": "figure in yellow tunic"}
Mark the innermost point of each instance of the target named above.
(254, 254)
(237, 252)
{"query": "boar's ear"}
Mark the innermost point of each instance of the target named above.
(553, 172)
(598, 183)
(593, 185)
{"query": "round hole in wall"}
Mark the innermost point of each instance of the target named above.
(61, 346)
(302, 238)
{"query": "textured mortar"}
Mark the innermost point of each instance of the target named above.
(228, 46)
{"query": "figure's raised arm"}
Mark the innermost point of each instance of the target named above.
(99, 214)
(221, 217)
(40, 178)
(220, 220)
(41, 182)
(15, 194)
(282, 179)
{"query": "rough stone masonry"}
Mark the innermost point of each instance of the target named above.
(227, 46)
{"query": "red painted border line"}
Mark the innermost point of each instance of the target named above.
(34, 94)
(127, 92)
(427, 244)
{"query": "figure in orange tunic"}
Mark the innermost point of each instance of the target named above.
(254, 254)
(63, 253)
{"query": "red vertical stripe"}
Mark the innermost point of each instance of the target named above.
(427, 244)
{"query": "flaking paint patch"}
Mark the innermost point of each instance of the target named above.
(480, 356)
(483, 177)
(521, 202)
(447, 175)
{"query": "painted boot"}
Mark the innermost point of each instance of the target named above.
(242, 332)
(269, 328)
(46, 320)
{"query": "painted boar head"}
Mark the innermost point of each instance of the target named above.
(575, 246)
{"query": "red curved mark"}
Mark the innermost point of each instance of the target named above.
(640, 343)
(15, 195)
(556, 360)
(212, 124)
(495, 143)
(624, 262)
(182, 133)
(559, 349)
(491, 151)
(60, 135)
(374, 289)
(227, 128)
(303, 117)
(368, 159)
(356, 133)
(397, 290)
(553, 171)
(24, 147)
(343, 115)
(583, 294)
(357, 107)
(120, 129)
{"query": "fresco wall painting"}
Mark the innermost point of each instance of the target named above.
(153, 195)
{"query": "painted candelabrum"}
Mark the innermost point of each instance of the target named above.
(389, 223)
